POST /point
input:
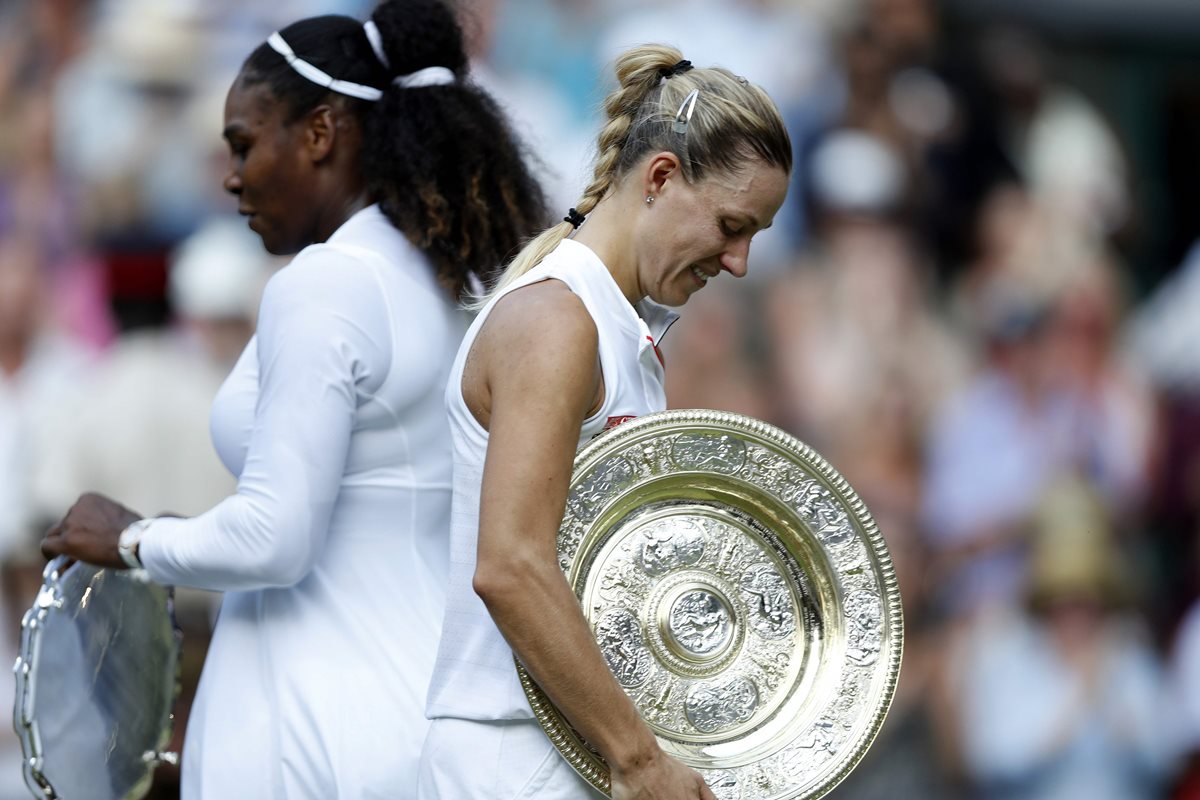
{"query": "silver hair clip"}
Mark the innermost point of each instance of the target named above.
(684, 115)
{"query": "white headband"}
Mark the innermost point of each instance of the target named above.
(429, 76)
(320, 77)
(376, 40)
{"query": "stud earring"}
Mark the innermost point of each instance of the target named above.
(649, 199)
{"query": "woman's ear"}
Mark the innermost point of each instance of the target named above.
(320, 131)
(660, 168)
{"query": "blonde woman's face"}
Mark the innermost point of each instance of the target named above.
(694, 232)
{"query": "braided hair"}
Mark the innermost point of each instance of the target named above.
(440, 160)
(732, 122)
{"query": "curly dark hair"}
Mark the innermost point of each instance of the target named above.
(441, 160)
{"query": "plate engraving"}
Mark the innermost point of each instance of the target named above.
(742, 596)
(710, 707)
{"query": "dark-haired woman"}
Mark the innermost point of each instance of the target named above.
(690, 165)
(364, 148)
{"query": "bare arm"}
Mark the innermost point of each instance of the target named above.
(536, 375)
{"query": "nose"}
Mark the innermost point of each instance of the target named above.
(734, 259)
(233, 181)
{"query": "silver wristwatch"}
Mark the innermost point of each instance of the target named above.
(128, 542)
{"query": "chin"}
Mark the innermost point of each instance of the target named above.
(276, 247)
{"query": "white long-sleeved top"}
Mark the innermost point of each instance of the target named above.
(333, 551)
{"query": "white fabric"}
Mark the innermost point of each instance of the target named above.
(509, 759)
(319, 76)
(430, 76)
(333, 549)
(376, 40)
(475, 677)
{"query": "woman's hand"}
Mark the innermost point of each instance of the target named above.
(661, 778)
(89, 531)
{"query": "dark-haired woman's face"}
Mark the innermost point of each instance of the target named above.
(267, 171)
(694, 232)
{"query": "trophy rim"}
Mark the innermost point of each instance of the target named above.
(28, 663)
(586, 761)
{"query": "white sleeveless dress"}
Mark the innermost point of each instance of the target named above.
(484, 742)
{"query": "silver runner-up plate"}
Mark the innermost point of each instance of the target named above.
(742, 596)
(96, 681)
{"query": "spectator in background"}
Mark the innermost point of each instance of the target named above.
(1183, 720)
(710, 362)
(914, 88)
(1161, 338)
(1063, 148)
(1060, 697)
(39, 370)
(990, 450)
(853, 327)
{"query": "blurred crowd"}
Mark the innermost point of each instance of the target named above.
(946, 309)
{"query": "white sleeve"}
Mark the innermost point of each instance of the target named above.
(324, 342)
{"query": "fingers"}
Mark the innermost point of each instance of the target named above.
(705, 792)
(53, 542)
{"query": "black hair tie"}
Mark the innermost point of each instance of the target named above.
(679, 68)
(575, 218)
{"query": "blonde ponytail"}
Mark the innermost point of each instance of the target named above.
(732, 122)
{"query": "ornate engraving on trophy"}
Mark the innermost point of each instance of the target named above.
(820, 737)
(772, 667)
(669, 545)
(620, 640)
(739, 593)
(655, 702)
(770, 602)
(795, 761)
(724, 784)
(700, 623)
(831, 522)
(602, 484)
(620, 579)
(864, 634)
(849, 557)
(650, 458)
(695, 451)
(714, 706)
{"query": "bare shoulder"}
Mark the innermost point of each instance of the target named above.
(543, 316)
(539, 345)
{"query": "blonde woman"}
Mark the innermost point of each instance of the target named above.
(692, 164)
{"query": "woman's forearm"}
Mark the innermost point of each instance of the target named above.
(534, 608)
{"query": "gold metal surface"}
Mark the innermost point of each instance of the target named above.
(741, 594)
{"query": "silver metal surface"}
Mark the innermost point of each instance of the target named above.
(96, 680)
(741, 594)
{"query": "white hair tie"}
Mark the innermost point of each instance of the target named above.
(376, 40)
(430, 76)
(319, 76)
